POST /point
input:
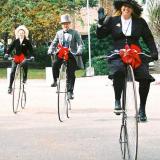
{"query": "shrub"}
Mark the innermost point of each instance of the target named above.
(98, 46)
(42, 60)
(100, 66)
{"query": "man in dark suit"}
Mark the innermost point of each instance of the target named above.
(71, 39)
(23, 50)
(127, 27)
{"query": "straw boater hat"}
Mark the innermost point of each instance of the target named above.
(65, 18)
(22, 27)
(136, 7)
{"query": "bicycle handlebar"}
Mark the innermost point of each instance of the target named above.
(27, 59)
(116, 53)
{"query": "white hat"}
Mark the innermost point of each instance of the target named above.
(65, 18)
(22, 27)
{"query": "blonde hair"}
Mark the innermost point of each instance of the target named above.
(117, 13)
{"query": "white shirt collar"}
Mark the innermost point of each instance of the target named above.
(126, 26)
(21, 40)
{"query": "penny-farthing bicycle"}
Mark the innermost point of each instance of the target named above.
(63, 103)
(18, 92)
(129, 128)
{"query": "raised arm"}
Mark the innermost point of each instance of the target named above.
(104, 24)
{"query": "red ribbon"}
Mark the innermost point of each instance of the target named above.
(19, 58)
(130, 55)
(63, 52)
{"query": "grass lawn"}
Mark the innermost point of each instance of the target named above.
(3, 73)
(37, 73)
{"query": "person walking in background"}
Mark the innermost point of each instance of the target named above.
(23, 50)
(71, 39)
(126, 28)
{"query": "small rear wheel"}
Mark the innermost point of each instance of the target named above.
(23, 98)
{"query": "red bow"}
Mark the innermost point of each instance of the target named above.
(130, 55)
(18, 58)
(63, 52)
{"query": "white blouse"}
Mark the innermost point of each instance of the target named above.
(126, 26)
(21, 40)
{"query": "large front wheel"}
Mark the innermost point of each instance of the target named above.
(63, 103)
(131, 115)
(16, 89)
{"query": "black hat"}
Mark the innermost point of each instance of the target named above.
(136, 7)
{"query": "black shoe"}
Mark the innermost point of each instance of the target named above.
(142, 116)
(70, 95)
(117, 109)
(54, 84)
(9, 90)
(24, 81)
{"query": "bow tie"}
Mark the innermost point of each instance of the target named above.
(65, 32)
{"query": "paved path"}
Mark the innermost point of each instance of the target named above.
(91, 133)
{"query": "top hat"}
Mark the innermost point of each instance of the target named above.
(65, 19)
(136, 7)
(22, 27)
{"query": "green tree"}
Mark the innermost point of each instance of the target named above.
(154, 18)
(40, 16)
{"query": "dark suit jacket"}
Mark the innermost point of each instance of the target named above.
(74, 39)
(113, 26)
(25, 47)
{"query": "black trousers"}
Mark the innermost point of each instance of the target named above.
(13, 70)
(71, 68)
(144, 86)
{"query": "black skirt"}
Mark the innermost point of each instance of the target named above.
(142, 72)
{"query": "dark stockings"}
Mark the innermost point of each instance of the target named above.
(144, 86)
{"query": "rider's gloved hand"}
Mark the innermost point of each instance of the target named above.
(101, 15)
(23, 62)
(154, 57)
(6, 56)
(32, 58)
(50, 51)
(78, 54)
